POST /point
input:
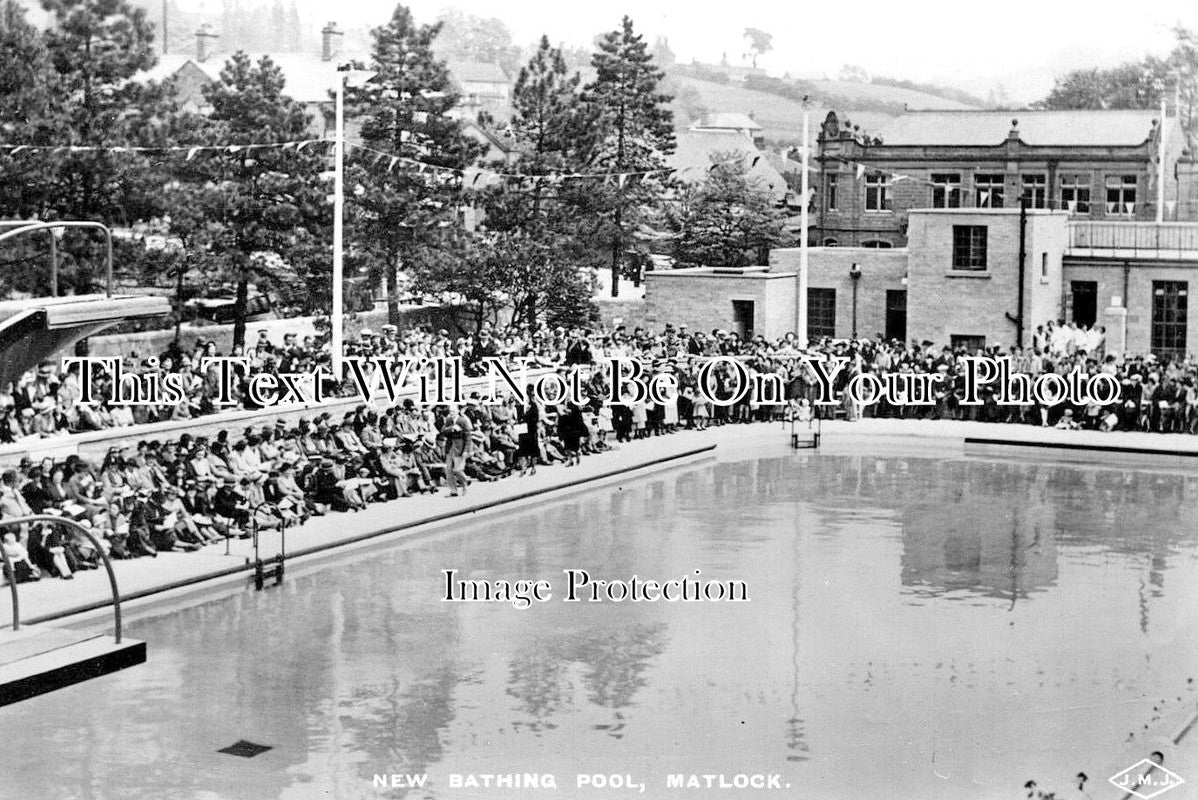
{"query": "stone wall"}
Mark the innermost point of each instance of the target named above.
(829, 268)
(944, 302)
(702, 298)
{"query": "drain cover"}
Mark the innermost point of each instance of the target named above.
(245, 749)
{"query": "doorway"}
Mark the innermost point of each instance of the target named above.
(1085, 302)
(742, 318)
(896, 314)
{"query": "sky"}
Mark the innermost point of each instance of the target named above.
(1021, 44)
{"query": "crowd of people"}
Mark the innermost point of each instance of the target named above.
(185, 493)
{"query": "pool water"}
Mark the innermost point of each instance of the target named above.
(919, 627)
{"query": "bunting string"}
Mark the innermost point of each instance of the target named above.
(191, 150)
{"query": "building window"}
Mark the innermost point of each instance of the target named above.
(969, 247)
(877, 244)
(1075, 194)
(989, 189)
(1169, 317)
(1121, 195)
(946, 190)
(970, 343)
(1035, 189)
(830, 188)
(877, 192)
(821, 313)
(1044, 267)
(830, 243)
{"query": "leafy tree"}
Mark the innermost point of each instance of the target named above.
(633, 133)
(467, 37)
(728, 221)
(1136, 84)
(1131, 85)
(760, 42)
(496, 271)
(405, 112)
(255, 215)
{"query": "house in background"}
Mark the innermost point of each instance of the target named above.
(1097, 165)
(311, 78)
(697, 150)
(734, 121)
(483, 86)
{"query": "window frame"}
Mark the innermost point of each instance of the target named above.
(1125, 183)
(985, 182)
(946, 189)
(1035, 188)
(1076, 184)
(967, 255)
(821, 306)
(880, 185)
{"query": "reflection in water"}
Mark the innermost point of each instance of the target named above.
(911, 619)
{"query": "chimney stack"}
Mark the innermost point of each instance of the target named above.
(204, 39)
(330, 46)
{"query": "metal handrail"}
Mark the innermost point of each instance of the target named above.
(282, 527)
(28, 226)
(87, 534)
(11, 572)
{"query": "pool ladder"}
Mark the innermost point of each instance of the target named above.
(805, 434)
(274, 567)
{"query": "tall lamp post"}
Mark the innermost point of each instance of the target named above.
(855, 276)
(806, 201)
(354, 78)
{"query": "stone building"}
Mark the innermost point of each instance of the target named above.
(957, 281)
(1098, 165)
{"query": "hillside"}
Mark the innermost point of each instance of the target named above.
(882, 95)
(780, 117)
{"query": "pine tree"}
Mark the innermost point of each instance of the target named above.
(97, 47)
(635, 132)
(264, 216)
(405, 112)
(549, 129)
(31, 111)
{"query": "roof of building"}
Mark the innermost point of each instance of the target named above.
(477, 71)
(307, 77)
(696, 151)
(732, 120)
(1044, 128)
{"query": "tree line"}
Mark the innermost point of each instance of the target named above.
(261, 217)
(1136, 84)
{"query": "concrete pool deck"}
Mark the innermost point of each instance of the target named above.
(88, 598)
(83, 597)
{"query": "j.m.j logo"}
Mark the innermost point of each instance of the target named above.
(1146, 779)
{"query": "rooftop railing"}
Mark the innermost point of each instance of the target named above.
(1172, 240)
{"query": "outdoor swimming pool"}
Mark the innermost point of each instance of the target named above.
(919, 628)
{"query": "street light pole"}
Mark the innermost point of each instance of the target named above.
(805, 201)
(355, 78)
(337, 343)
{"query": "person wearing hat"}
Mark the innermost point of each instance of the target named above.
(230, 503)
(455, 432)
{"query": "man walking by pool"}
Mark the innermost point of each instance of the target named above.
(456, 432)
